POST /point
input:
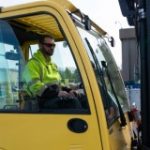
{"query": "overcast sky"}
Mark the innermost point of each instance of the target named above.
(106, 13)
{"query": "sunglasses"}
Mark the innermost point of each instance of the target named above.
(51, 45)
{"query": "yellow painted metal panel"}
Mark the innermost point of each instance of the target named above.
(63, 4)
(41, 24)
(120, 137)
(47, 131)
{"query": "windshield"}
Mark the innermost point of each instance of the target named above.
(107, 74)
(12, 63)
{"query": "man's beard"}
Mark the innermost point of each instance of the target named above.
(49, 53)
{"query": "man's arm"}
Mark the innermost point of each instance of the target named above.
(32, 78)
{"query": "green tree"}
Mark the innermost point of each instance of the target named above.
(68, 74)
(76, 76)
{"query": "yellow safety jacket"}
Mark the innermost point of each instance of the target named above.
(39, 73)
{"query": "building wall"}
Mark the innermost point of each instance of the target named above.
(130, 55)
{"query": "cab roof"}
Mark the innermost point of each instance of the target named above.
(66, 4)
(44, 24)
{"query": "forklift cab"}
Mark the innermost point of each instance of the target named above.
(83, 58)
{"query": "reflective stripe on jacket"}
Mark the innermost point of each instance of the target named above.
(39, 73)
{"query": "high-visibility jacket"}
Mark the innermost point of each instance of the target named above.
(39, 73)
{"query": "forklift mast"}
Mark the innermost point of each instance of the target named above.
(137, 13)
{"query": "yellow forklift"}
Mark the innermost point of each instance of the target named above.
(84, 61)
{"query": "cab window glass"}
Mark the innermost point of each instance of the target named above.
(102, 71)
(20, 78)
(70, 76)
(11, 66)
(62, 56)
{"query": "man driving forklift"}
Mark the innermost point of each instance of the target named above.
(42, 78)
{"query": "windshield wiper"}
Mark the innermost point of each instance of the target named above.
(99, 72)
(103, 86)
(122, 117)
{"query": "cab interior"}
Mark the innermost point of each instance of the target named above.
(27, 31)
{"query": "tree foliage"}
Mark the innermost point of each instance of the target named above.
(72, 76)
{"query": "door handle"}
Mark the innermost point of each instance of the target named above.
(77, 125)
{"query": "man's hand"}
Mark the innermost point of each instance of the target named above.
(65, 94)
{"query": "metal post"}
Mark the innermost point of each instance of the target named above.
(145, 72)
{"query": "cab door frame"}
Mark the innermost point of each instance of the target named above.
(96, 106)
